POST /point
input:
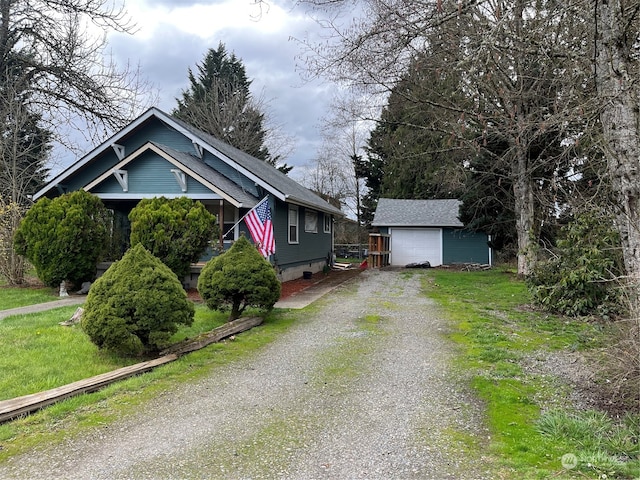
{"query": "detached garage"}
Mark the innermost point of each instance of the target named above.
(429, 230)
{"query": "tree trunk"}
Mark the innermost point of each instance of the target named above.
(619, 115)
(525, 215)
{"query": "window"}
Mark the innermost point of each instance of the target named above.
(293, 224)
(327, 223)
(311, 221)
(229, 217)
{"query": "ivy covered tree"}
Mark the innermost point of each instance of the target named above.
(64, 238)
(237, 279)
(136, 305)
(177, 231)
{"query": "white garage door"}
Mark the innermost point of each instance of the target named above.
(412, 245)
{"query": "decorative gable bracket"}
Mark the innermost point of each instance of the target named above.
(122, 176)
(199, 150)
(119, 149)
(181, 178)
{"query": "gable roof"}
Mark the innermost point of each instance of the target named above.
(266, 176)
(198, 170)
(417, 213)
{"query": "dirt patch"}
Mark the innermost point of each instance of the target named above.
(332, 277)
(583, 374)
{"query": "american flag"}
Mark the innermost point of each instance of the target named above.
(259, 223)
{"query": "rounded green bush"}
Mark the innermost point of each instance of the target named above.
(177, 230)
(64, 238)
(136, 306)
(237, 279)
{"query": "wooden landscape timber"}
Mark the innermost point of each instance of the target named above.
(16, 407)
(213, 336)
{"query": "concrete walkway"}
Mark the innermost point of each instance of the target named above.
(305, 297)
(41, 307)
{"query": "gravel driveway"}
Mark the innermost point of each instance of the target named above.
(359, 388)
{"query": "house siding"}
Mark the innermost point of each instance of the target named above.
(151, 174)
(310, 253)
(464, 246)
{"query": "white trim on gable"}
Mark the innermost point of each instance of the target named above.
(122, 176)
(139, 196)
(150, 146)
(181, 178)
(154, 112)
(96, 151)
(119, 149)
(199, 149)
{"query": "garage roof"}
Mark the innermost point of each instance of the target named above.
(417, 213)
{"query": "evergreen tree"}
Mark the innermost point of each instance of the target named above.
(64, 238)
(412, 152)
(219, 102)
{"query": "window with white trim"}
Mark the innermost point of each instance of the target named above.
(327, 223)
(293, 224)
(310, 221)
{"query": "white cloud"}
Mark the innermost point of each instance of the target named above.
(174, 35)
(204, 19)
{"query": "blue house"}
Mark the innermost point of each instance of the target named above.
(429, 230)
(157, 155)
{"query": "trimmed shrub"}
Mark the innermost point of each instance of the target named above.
(64, 238)
(237, 279)
(177, 231)
(136, 306)
(582, 278)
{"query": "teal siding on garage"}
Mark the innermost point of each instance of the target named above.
(464, 246)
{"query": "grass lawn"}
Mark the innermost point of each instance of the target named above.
(11, 297)
(37, 354)
(532, 423)
(31, 341)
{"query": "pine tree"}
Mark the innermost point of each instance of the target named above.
(219, 102)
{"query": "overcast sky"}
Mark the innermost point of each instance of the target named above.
(174, 35)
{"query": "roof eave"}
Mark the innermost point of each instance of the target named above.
(96, 151)
(329, 208)
(413, 225)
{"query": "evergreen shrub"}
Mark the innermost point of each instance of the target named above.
(64, 238)
(237, 279)
(136, 305)
(581, 279)
(177, 231)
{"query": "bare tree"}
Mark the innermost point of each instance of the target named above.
(57, 48)
(508, 56)
(24, 148)
(616, 65)
(334, 174)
